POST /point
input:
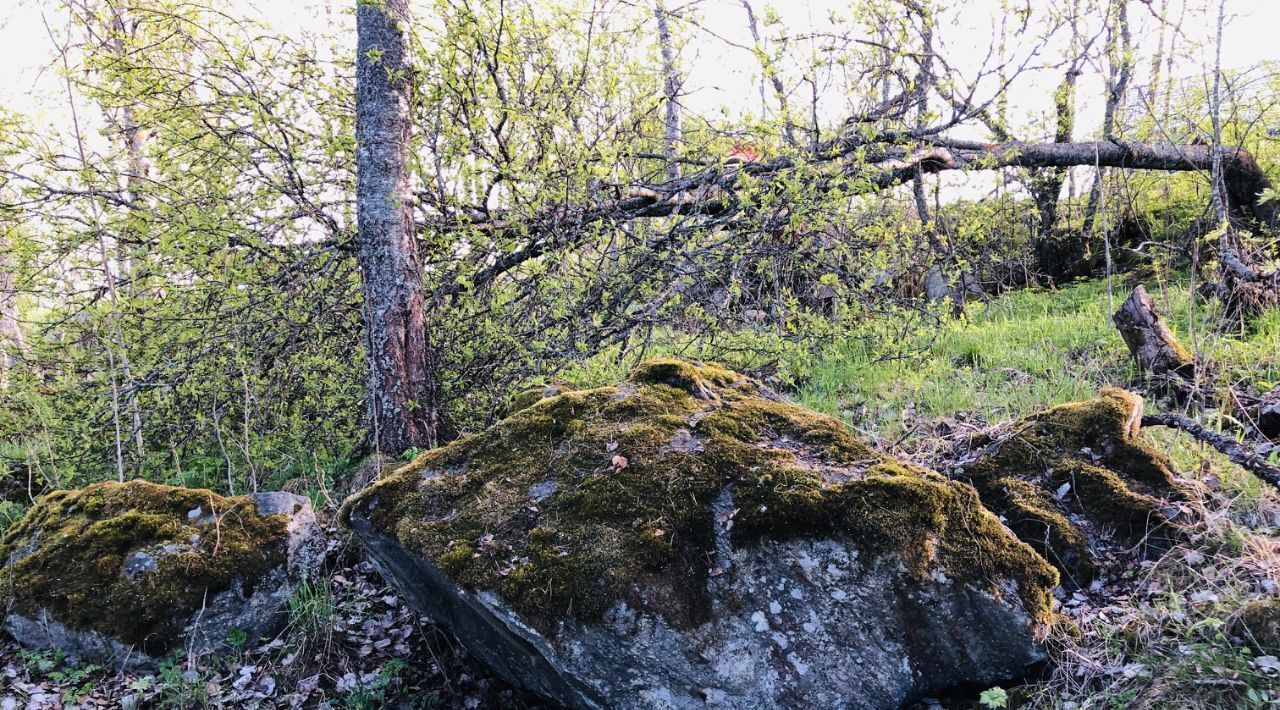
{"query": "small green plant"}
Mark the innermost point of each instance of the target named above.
(10, 513)
(179, 688)
(374, 695)
(76, 680)
(41, 662)
(237, 638)
(995, 697)
(311, 609)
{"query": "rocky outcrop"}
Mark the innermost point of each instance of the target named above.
(127, 572)
(688, 539)
(1076, 483)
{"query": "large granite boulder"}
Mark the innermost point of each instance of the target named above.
(128, 572)
(688, 539)
(1077, 483)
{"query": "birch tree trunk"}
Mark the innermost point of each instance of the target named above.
(402, 390)
(670, 91)
(1120, 51)
(12, 341)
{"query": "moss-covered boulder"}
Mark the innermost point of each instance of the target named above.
(1258, 623)
(1076, 483)
(689, 538)
(128, 572)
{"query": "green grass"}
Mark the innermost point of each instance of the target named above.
(1022, 352)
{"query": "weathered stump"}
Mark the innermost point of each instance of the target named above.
(1150, 341)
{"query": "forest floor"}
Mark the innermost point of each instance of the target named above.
(1157, 635)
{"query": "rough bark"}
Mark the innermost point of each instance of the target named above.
(1150, 341)
(921, 100)
(402, 392)
(1054, 256)
(1047, 189)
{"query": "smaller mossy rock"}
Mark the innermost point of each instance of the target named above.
(1070, 478)
(1258, 623)
(528, 397)
(689, 537)
(128, 572)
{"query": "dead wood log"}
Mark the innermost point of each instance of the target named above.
(1269, 414)
(1236, 452)
(712, 193)
(1150, 341)
(1157, 352)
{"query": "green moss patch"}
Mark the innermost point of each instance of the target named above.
(1259, 624)
(581, 499)
(134, 560)
(1059, 476)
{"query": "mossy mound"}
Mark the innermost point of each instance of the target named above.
(528, 397)
(135, 561)
(1068, 478)
(1259, 625)
(576, 502)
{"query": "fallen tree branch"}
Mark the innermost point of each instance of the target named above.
(712, 192)
(1236, 452)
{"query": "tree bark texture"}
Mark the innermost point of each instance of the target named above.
(1150, 341)
(670, 92)
(402, 390)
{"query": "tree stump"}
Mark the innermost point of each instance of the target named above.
(1149, 339)
(1269, 414)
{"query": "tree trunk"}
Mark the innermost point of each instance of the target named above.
(1149, 339)
(12, 341)
(402, 390)
(1120, 52)
(1055, 256)
(672, 133)
(136, 171)
(924, 80)
(710, 194)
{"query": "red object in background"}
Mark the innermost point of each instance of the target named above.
(742, 153)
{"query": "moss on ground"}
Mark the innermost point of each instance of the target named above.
(565, 506)
(1090, 451)
(68, 556)
(1259, 624)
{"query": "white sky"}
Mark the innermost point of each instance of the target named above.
(719, 77)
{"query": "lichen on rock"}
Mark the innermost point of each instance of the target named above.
(124, 569)
(640, 499)
(1066, 478)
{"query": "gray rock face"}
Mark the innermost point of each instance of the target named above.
(794, 623)
(802, 570)
(126, 573)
